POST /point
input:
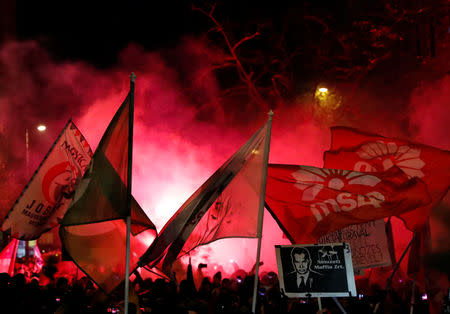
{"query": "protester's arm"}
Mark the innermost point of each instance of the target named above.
(173, 278)
(200, 274)
(190, 276)
(138, 276)
(252, 272)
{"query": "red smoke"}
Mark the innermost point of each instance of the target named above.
(430, 112)
(182, 131)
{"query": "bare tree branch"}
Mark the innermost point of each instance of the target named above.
(243, 74)
(244, 40)
(326, 29)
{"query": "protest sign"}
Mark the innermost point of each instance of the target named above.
(368, 243)
(315, 270)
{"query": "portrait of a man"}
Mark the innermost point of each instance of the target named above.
(303, 278)
(315, 270)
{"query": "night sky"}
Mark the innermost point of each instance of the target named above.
(97, 31)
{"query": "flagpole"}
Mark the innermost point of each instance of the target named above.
(391, 277)
(262, 196)
(413, 296)
(389, 282)
(130, 163)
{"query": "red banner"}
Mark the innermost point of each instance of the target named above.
(309, 202)
(355, 150)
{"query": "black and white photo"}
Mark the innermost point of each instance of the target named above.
(316, 270)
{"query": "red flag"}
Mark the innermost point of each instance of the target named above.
(8, 257)
(420, 247)
(434, 282)
(93, 230)
(38, 260)
(360, 151)
(310, 202)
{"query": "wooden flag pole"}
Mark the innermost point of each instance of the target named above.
(262, 196)
(130, 163)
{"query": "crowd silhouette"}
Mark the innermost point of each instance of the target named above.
(194, 294)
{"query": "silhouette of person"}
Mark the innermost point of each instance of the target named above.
(303, 278)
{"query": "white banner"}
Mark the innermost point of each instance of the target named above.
(45, 199)
(368, 243)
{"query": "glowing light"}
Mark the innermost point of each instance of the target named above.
(327, 99)
(231, 260)
(41, 128)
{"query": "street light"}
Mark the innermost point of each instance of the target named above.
(326, 98)
(41, 128)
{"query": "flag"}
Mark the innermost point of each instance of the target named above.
(360, 151)
(420, 247)
(93, 231)
(225, 206)
(38, 260)
(434, 282)
(8, 257)
(310, 202)
(46, 197)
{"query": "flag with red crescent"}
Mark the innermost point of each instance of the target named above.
(45, 199)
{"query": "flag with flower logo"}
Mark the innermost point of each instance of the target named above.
(310, 202)
(356, 150)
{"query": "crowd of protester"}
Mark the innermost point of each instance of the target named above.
(29, 294)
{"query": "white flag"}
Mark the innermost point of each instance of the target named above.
(225, 206)
(45, 198)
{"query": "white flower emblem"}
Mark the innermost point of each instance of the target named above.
(404, 157)
(312, 180)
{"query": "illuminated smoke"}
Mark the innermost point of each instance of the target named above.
(430, 120)
(183, 133)
(430, 112)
